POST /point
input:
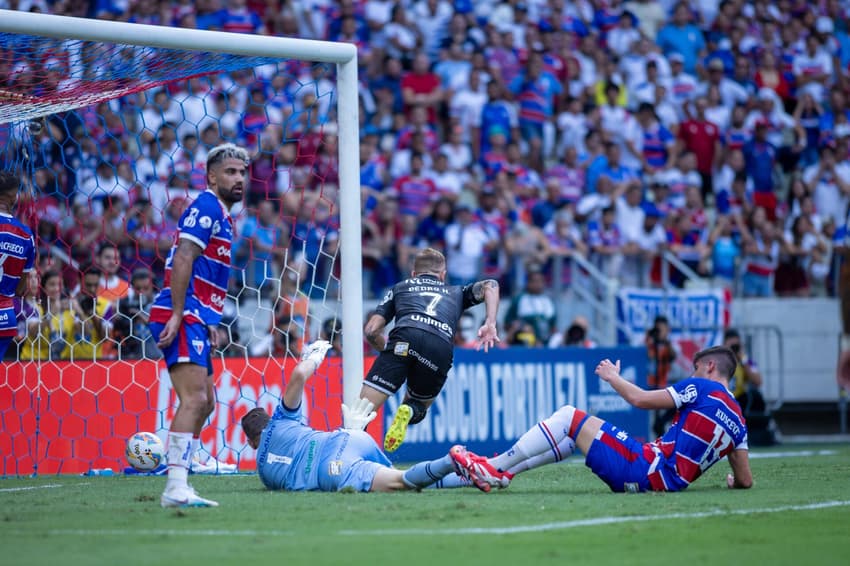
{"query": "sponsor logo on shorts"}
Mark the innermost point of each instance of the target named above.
(335, 468)
(198, 345)
(377, 379)
(400, 349)
(423, 360)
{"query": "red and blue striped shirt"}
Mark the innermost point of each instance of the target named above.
(17, 257)
(207, 223)
(708, 426)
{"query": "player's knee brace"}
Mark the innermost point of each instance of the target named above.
(419, 410)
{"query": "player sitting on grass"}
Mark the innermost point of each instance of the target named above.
(295, 457)
(707, 427)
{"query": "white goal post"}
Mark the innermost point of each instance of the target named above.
(344, 55)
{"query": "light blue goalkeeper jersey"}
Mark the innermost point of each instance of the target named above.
(291, 454)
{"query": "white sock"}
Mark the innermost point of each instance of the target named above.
(544, 438)
(196, 444)
(179, 458)
(565, 448)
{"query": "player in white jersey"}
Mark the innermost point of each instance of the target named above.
(708, 426)
(292, 456)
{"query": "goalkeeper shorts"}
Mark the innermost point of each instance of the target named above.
(352, 463)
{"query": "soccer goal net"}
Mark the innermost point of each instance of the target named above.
(108, 125)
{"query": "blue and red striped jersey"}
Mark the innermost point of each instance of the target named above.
(207, 223)
(240, 21)
(708, 426)
(656, 138)
(17, 257)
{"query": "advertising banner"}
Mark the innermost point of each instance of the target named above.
(63, 417)
(697, 318)
(491, 399)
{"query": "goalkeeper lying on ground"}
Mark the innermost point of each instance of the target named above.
(295, 457)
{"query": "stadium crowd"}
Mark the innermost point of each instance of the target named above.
(513, 135)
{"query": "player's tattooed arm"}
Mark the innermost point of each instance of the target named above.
(479, 286)
(487, 291)
(374, 332)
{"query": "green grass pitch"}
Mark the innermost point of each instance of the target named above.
(797, 513)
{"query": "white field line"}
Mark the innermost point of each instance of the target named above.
(557, 526)
(564, 525)
(756, 455)
(30, 488)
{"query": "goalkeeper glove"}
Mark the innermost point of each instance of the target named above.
(316, 352)
(359, 415)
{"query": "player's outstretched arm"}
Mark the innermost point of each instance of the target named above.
(741, 476)
(636, 396)
(488, 291)
(311, 359)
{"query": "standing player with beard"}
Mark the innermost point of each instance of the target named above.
(189, 307)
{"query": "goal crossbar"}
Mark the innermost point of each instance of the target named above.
(344, 55)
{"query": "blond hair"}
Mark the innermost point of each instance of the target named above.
(429, 260)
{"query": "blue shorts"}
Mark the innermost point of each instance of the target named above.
(619, 460)
(192, 345)
(756, 285)
(531, 131)
(4, 345)
(353, 464)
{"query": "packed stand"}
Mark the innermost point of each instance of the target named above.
(523, 138)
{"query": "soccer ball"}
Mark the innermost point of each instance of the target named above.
(145, 451)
